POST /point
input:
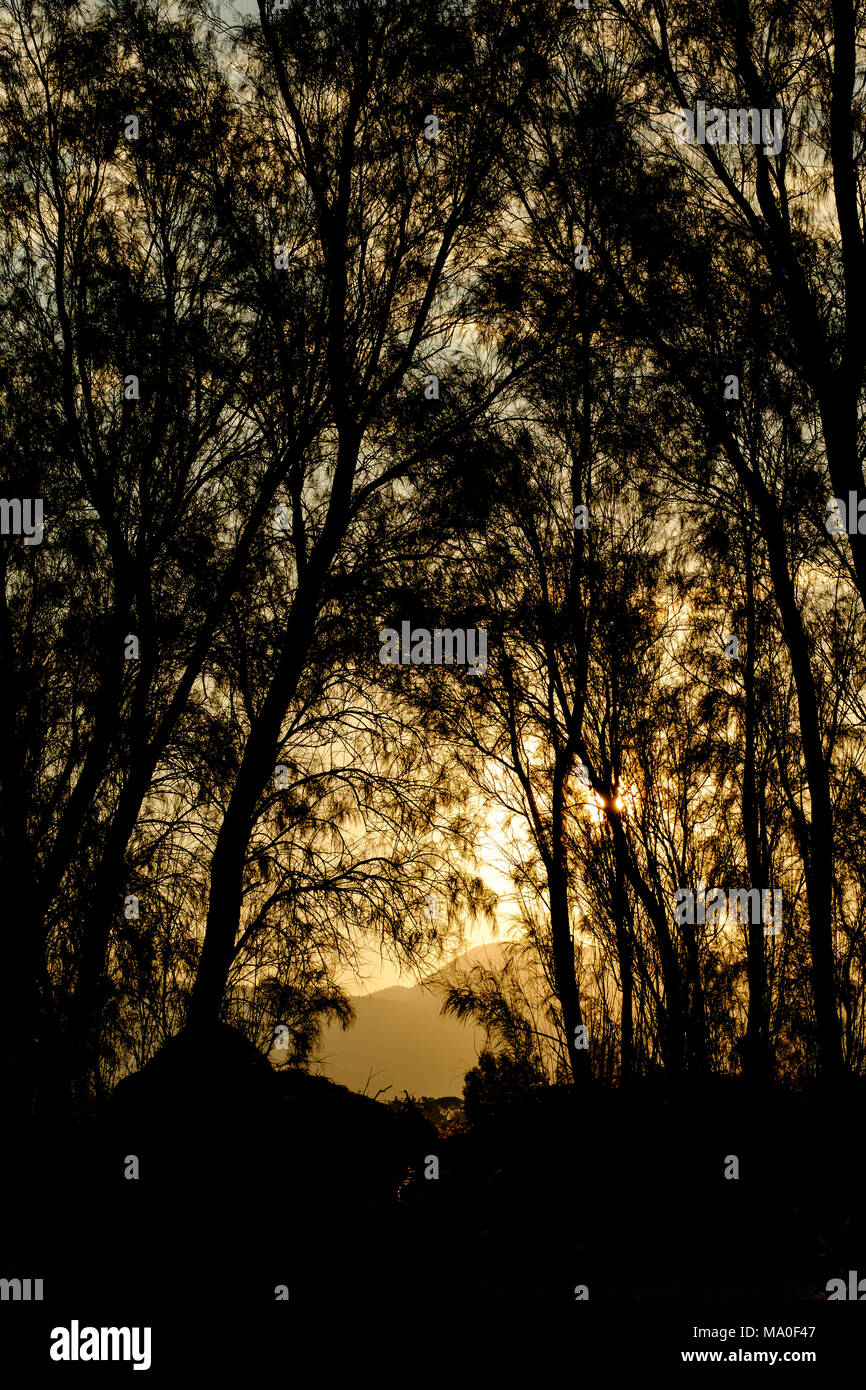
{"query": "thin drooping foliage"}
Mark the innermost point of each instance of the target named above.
(345, 316)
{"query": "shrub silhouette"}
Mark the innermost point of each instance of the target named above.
(495, 1081)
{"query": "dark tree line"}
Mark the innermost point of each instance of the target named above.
(345, 315)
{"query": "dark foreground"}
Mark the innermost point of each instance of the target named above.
(257, 1188)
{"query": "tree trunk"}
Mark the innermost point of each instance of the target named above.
(626, 971)
(757, 1059)
(225, 900)
(672, 1024)
(565, 978)
(818, 853)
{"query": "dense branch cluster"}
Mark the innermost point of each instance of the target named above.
(541, 322)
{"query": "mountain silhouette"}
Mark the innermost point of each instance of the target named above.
(401, 1041)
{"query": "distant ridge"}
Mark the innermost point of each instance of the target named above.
(401, 1037)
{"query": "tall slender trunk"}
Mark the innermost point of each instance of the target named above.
(565, 977)
(817, 829)
(757, 1059)
(672, 1024)
(25, 979)
(818, 854)
(626, 970)
(818, 857)
(696, 1022)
